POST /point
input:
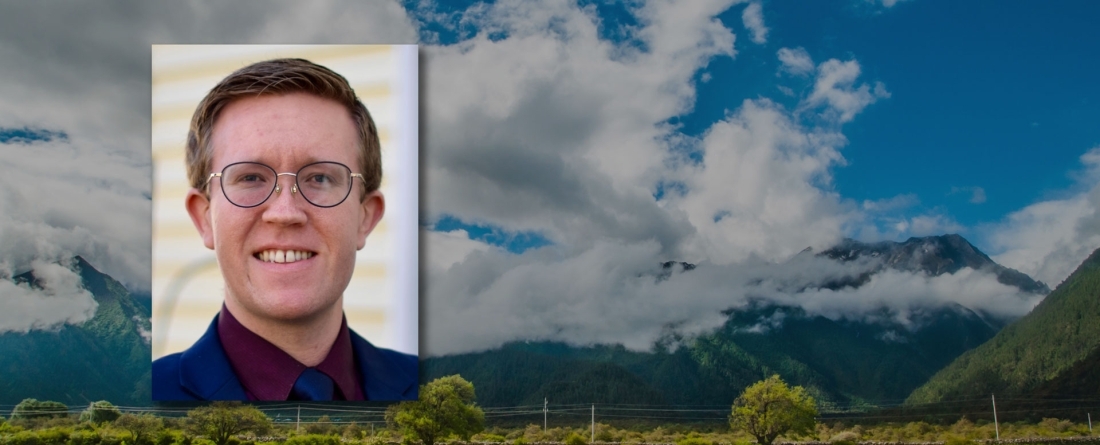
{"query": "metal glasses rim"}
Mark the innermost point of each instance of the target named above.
(276, 185)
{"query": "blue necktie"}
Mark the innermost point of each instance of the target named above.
(312, 385)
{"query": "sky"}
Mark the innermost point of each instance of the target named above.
(569, 148)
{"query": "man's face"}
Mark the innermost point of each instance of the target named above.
(285, 132)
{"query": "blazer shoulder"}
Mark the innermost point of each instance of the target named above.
(166, 379)
(386, 374)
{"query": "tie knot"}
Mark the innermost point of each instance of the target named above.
(312, 385)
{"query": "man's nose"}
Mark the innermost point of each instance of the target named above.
(285, 206)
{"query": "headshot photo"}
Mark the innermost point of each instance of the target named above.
(285, 222)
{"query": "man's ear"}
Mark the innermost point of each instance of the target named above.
(373, 207)
(198, 206)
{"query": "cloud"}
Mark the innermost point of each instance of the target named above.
(60, 300)
(1049, 239)
(795, 61)
(609, 293)
(753, 18)
(69, 198)
(835, 89)
(546, 128)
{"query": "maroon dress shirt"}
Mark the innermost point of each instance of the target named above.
(268, 373)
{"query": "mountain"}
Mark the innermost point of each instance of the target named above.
(104, 358)
(933, 255)
(1054, 351)
(842, 362)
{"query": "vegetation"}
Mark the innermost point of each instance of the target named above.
(1059, 333)
(99, 412)
(770, 408)
(222, 420)
(446, 407)
(140, 426)
(32, 408)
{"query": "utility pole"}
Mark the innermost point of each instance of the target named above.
(996, 425)
(544, 410)
(593, 425)
(298, 424)
(1090, 423)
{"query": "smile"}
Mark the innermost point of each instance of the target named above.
(283, 256)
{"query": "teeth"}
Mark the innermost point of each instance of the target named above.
(284, 256)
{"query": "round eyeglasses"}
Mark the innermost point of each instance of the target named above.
(249, 184)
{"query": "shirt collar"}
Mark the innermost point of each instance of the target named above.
(268, 373)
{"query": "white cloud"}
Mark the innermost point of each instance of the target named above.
(445, 249)
(60, 300)
(753, 18)
(795, 61)
(763, 188)
(835, 89)
(1049, 239)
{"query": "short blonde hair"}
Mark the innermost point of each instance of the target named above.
(281, 76)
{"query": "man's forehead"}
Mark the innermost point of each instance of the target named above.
(294, 128)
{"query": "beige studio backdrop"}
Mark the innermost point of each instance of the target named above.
(381, 301)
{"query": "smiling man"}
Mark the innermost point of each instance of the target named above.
(285, 165)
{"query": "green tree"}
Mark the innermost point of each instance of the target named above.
(32, 408)
(141, 427)
(770, 408)
(99, 412)
(221, 420)
(446, 406)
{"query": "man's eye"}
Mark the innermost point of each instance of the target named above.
(320, 179)
(251, 178)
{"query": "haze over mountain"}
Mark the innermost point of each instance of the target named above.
(846, 354)
(105, 357)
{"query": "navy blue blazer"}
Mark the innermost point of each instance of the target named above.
(203, 372)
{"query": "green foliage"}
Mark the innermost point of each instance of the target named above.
(694, 441)
(575, 439)
(32, 408)
(323, 426)
(221, 420)
(353, 432)
(521, 440)
(141, 426)
(446, 406)
(958, 440)
(1038, 348)
(99, 412)
(313, 439)
(770, 408)
(83, 438)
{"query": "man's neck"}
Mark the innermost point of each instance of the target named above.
(307, 341)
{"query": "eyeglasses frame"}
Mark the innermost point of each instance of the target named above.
(278, 188)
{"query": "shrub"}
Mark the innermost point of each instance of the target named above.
(844, 438)
(312, 439)
(575, 439)
(958, 440)
(520, 441)
(694, 441)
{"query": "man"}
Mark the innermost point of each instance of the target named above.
(284, 164)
